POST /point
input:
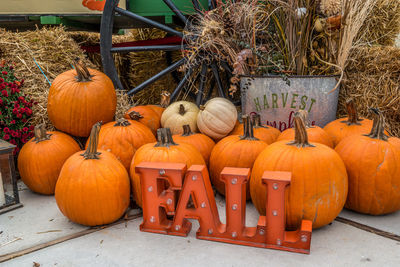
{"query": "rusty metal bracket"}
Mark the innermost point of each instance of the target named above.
(168, 187)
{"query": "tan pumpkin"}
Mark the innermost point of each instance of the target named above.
(217, 118)
(235, 151)
(41, 159)
(350, 125)
(318, 187)
(123, 138)
(373, 165)
(178, 114)
(201, 142)
(93, 186)
(79, 98)
(165, 150)
(265, 133)
(315, 134)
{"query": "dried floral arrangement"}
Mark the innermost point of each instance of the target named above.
(276, 37)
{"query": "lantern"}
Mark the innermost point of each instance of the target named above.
(9, 198)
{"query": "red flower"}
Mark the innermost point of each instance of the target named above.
(14, 134)
(1, 101)
(23, 120)
(23, 140)
(1, 80)
(28, 111)
(16, 105)
(31, 128)
(25, 129)
(17, 90)
(12, 141)
(12, 122)
(5, 72)
(6, 130)
(21, 99)
(19, 115)
(6, 137)
(4, 93)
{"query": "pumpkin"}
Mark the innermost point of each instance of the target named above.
(41, 159)
(178, 114)
(123, 138)
(201, 142)
(93, 187)
(217, 118)
(165, 150)
(165, 99)
(373, 165)
(318, 187)
(265, 133)
(94, 4)
(79, 98)
(315, 134)
(235, 151)
(350, 125)
(145, 115)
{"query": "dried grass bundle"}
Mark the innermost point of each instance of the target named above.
(382, 25)
(51, 49)
(373, 79)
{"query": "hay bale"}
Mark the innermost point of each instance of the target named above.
(144, 65)
(383, 24)
(54, 51)
(373, 79)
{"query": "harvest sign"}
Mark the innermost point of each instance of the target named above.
(162, 182)
(276, 101)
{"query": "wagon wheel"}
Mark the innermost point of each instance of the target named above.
(171, 43)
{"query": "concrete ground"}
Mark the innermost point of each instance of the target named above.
(40, 221)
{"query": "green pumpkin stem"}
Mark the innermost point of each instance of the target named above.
(300, 136)
(187, 131)
(40, 133)
(248, 132)
(164, 138)
(352, 113)
(122, 122)
(91, 151)
(134, 115)
(83, 74)
(378, 126)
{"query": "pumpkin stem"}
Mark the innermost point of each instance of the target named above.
(256, 120)
(202, 107)
(165, 99)
(300, 136)
(91, 151)
(353, 118)
(304, 116)
(40, 133)
(182, 110)
(248, 133)
(187, 131)
(134, 115)
(378, 126)
(82, 71)
(164, 138)
(122, 122)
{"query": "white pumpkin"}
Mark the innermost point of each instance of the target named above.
(217, 118)
(178, 114)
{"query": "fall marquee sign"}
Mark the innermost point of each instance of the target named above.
(160, 183)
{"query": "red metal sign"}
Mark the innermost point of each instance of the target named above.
(168, 187)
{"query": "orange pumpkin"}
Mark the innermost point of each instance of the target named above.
(315, 134)
(94, 4)
(373, 165)
(318, 187)
(79, 98)
(201, 142)
(145, 115)
(93, 187)
(235, 151)
(41, 159)
(123, 138)
(165, 150)
(350, 125)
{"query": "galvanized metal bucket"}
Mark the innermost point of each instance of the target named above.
(276, 100)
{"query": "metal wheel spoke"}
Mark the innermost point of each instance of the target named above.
(146, 48)
(197, 7)
(181, 84)
(157, 76)
(214, 69)
(148, 21)
(200, 93)
(177, 12)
